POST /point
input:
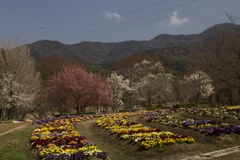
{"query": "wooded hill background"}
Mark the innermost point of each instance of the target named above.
(172, 50)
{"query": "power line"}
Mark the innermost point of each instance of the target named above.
(64, 28)
(141, 17)
(140, 9)
(100, 22)
(190, 10)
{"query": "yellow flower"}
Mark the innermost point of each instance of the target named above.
(70, 151)
(72, 142)
(34, 137)
(38, 146)
(51, 145)
(41, 153)
(61, 127)
(44, 129)
(92, 147)
(82, 149)
(36, 130)
(51, 128)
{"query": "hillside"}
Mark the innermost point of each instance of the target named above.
(41, 49)
(171, 49)
(97, 53)
(129, 61)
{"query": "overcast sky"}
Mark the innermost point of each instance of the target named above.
(74, 21)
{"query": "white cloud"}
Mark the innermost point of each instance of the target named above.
(111, 15)
(176, 21)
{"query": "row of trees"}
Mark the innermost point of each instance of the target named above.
(76, 88)
(70, 86)
(151, 84)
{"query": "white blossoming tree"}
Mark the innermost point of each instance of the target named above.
(150, 82)
(200, 85)
(20, 83)
(9, 89)
(119, 86)
(11, 95)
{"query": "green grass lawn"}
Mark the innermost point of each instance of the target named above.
(15, 145)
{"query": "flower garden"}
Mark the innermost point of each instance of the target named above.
(57, 139)
(146, 137)
(209, 127)
(221, 112)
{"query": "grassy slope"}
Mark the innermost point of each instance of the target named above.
(202, 143)
(15, 145)
(117, 149)
(121, 149)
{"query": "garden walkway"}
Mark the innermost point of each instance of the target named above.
(14, 129)
(84, 128)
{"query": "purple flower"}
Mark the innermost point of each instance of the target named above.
(64, 156)
(102, 155)
(51, 157)
(78, 156)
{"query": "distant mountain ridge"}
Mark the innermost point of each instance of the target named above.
(104, 54)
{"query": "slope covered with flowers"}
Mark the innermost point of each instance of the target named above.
(57, 139)
(209, 127)
(230, 112)
(145, 136)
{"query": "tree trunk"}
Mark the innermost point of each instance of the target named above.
(24, 114)
(60, 112)
(149, 99)
(35, 115)
(8, 113)
(78, 110)
(52, 112)
(149, 102)
(114, 108)
(3, 114)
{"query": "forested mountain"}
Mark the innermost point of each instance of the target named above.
(170, 49)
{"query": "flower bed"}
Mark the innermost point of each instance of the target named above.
(73, 119)
(221, 112)
(58, 139)
(233, 108)
(144, 136)
(209, 127)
